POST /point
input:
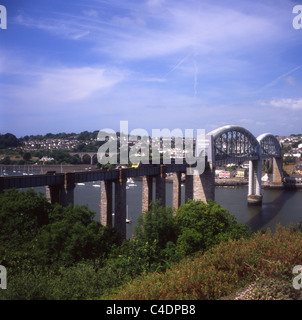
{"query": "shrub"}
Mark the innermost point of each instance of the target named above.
(201, 226)
(224, 269)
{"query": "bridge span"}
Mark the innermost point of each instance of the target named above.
(228, 144)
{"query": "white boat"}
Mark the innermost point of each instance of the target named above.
(80, 184)
(131, 183)
(96, 185)
(127, 218)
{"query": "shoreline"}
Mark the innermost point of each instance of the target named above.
(42, 169)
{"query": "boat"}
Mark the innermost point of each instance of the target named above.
(131, 183)
(127, 218)
(96, 185)
(80, 184)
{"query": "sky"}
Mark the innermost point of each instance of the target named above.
(70, 66)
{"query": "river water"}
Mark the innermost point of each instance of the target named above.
(278, 206)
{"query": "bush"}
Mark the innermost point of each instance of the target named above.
(225, 268)
(201, 226)
(156, 224)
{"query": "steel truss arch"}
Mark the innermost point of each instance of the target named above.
(234, 144)
(270, 146)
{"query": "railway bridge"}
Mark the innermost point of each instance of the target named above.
(228, 144)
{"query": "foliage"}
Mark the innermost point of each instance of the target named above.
(156, 224)
(22, 213)
(27, 156)
(34, 232)
(197, 252)
(8, 140)
(72, 236)
(225, 268)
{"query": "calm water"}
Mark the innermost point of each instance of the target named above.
(279, 206)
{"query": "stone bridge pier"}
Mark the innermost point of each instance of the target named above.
(201, 186)
(62, 193)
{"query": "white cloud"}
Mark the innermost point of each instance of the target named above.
(289, 103)
(63, 85)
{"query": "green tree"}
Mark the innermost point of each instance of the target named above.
(6, 160)
(156, 224)
(22, 214)
(27, 156)
(9, 140)
(201, 226)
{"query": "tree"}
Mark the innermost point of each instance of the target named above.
(27, 156)
(22, 213)
(201, 226)
(73, 235)
(8, 140)
(35, 232)
(156, 224)
(6, 160)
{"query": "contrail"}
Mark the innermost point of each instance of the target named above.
(272, 83)
(178, 64)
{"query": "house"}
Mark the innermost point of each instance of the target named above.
(241, 173)
(224, 175)
(298, 169)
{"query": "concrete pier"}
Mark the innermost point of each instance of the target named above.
(160, 185)
(254, 196)
(176, 190)
(120, 209)
(106, 203)
(147, 192)
(201, 186)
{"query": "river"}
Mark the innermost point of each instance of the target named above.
(279, 206)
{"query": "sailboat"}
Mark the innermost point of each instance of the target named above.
(131, 183)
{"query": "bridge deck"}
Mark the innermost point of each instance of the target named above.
(52, 179)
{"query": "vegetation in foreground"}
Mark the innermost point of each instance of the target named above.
(197, 252)
(255, 268)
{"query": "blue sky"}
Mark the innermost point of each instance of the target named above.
(70, 66)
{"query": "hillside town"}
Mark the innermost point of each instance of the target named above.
(44, 149)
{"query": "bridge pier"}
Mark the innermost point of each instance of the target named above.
(254, 188)
(120, 201)
(147, 191)
(160, 185)
(62, 193)
(277, 172)
(176, 190)
(106, 203)
(201, 187)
